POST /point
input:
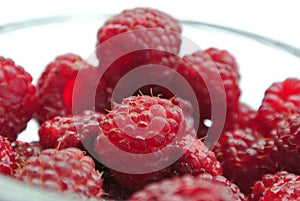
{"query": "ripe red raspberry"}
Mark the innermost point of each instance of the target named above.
(24, 150)
(56, 85)
(52, 83)
(243, 153)
(69, 131)
(17, 98)
(87, 91)
(68, 171)
(196, 159)
(241, 117)
(140, 125)
(279, 186)
(198, 66)
(7, 158)
(153, 120)
(184, 188)
(287, 140)
(234, 190)
(156, 40)
(281, 99)
(188, 112)
(225, 57)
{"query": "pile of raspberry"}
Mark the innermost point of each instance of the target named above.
(149, 143)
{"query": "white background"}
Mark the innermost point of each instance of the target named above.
(278, 19)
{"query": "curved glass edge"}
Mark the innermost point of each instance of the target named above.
(60, 19)
(13, 190)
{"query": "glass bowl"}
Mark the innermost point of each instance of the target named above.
(33, 44)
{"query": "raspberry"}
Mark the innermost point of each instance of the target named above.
(200, 62)
(90, 92)
(187, 109)
(24, 150)
(17, 99)
(281, 99)
(288, 191)
(240, 118)
(140, 125)
(196, 159)
(243, 153)
(154, 45)
(63, 132)
(287, 138)
(160, 118)
(52, 83)
(55, 88)
(68, 171)
(234, 190)
(225, 57)
(184, 188)
(280, 183)
(7, 158)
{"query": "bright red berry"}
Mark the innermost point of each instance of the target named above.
(68, 171)
(24, 150)
(234, 190)
(7, 158)
(241, 117)
(287, 139)
(196, 159)
(52, 83)
(17, 99)
(140, 125)
(184, 188)
(56, 86)
(279, 186)
(225, 57)
(205, 76)
(156, 41)
(69, 131)
(243, 153)
(153, 120)
(281, 99)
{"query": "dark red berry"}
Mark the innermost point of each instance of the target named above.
(17, 98)
(243, 153)
(184, 188)
(70, 131)
(68, 171)
(287, 139)
(24, 150)
(7, 158)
